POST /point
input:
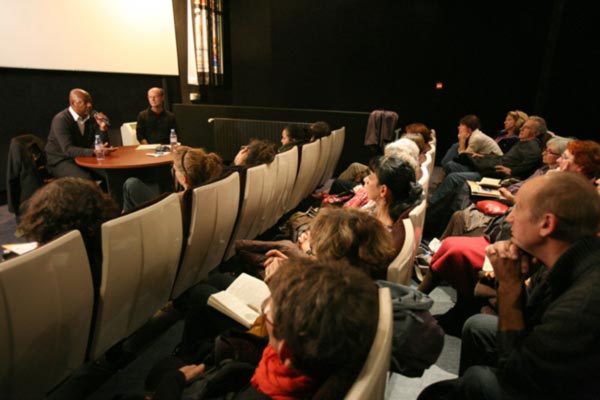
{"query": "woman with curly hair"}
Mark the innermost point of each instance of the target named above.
(255, 153)
(192, 168)
(66, 204)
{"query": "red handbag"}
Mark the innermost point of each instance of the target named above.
(491, 207)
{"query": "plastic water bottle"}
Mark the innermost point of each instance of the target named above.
(173, 139)
(99, 147)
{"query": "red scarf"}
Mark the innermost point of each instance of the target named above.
(279, 382)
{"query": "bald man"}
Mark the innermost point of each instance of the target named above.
(545, 341)
(72, 134)
(155, 123)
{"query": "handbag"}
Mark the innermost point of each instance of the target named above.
(491, 207)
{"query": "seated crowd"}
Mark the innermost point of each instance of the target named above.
(537, 338)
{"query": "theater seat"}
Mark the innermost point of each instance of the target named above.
(400, 270)
(372, 380)
(46, 300)
(140, 254)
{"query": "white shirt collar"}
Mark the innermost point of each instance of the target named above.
(76, 116)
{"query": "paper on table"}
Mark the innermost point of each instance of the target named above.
(21, 248)
(147, 146)
(157, 154)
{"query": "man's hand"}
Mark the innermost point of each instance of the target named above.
(510, 267)
(192, 371)
(102, 121)
(503, 170)
(106, 149)
(510, 198)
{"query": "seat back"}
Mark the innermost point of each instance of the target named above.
(306, 181)
(417, 217)
(140, 254)
(129, 134)
(400, 270)
(46, 302)
(250, 219)
(214, 212)
(287, 169)
(337, 145)
(325, 158)
(371, 382)
(424, 180)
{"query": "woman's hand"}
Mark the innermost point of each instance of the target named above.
(273, 263)
(504, 192)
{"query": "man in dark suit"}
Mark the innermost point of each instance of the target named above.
(72, 134)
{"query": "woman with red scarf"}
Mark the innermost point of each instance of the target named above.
(321, 320)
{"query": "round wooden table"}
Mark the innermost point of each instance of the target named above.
(127, 161)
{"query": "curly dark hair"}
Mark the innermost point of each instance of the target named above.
(260, 152)
(63, 205)
(326, 313)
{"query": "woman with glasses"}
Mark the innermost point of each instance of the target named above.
(583, 157)
(321, 320)
(191, 168)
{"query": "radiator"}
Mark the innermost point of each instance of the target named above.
(232, 133)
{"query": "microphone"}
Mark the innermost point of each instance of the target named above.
(105, 120)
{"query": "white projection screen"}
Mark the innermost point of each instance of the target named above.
(117, 36)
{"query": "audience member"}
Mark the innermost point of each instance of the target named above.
(154, 124)
(544, 341)
(66, 204)
(421, 129)
(318, 129)
(508, 136)
(255, 153)
(292, 135)
(520, 162)
(300, 361)
(471, 141)
(583, 157)
(192, 168)
(72, 134)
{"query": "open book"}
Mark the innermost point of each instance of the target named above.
(490, 183)
(478, 190)
(242, 299)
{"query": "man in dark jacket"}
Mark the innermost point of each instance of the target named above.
(72, 134)
(545, 341)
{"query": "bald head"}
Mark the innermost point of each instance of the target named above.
(81, 102)
(570, 197)
(156, 98)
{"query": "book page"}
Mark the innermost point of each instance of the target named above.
(478, 190)
(21, 248)
(233, 308)
(249, 290)
(490, 182)
(147, 146)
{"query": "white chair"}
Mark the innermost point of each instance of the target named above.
(214, 212)
(140, 254)
(250, 219)
(270, 197)
(305, 181)
(46, 302)
(400, 270)
(287, 169)
(338, 136)
(417, 217)
(128, 134)
(372, 380)
(325, 158)
(424, 180)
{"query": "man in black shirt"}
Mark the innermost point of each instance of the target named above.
(155, 123)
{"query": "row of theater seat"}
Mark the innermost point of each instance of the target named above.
(401, 269)
(47, 297)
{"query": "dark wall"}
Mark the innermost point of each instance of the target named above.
(30, 98)
(359, 56)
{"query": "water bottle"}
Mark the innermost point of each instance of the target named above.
(99, 147)
(173, 139)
